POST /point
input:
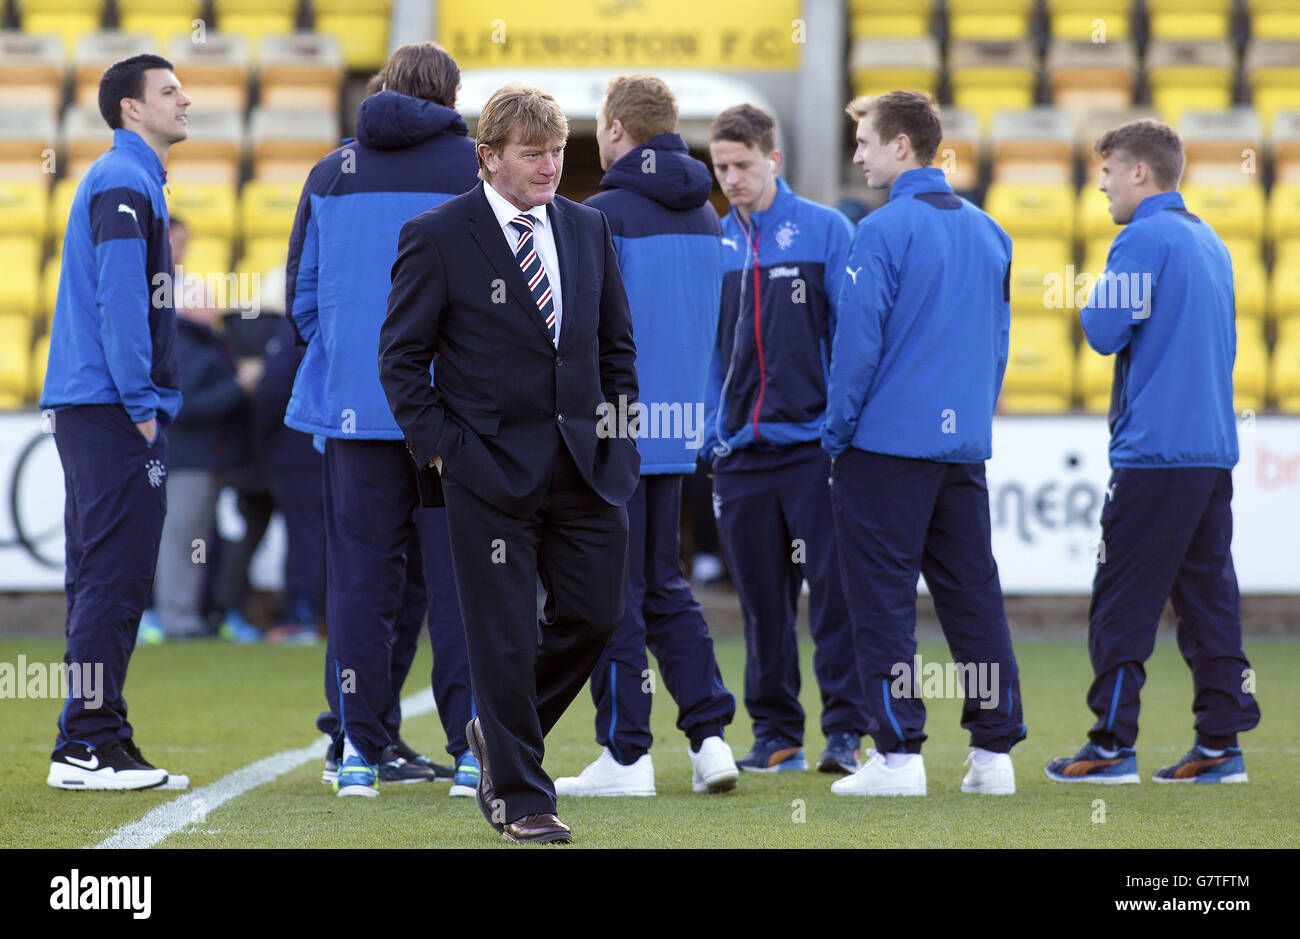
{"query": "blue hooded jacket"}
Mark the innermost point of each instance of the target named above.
(767, 379)
(1174, 329)
(656, 198)
(925, 319)
(113, 338)
(409, 156)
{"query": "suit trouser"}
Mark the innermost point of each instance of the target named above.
(178, 586)
(116, 498)
(526, 672)
(776, 529)
(661, 612)
(898, 518)
(372, 518)
(298, 488)
(1168, 533)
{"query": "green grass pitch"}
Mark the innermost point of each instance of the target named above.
(208, 708)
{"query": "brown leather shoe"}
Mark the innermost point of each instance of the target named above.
(485, 794)
(543, 828)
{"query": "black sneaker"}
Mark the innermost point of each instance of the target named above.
(174, 780)
(108, 766)
(395, 768)
(331, 773)
(440, 773)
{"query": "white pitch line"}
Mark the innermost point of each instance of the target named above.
(170, 817)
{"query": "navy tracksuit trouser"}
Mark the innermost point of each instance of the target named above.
(1167, 533)
(898, 518)
(660, 612)
(775, 524)
(115, 499)
(372, 519)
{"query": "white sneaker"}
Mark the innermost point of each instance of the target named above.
(608, 777)
(713, 769)
(996, 777)
(876, 778)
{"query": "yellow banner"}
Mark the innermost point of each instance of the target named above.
(751, 35)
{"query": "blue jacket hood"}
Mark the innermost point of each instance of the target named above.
(679, 181)
(391, 121)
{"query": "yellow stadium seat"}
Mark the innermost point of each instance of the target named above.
(67, 19)
(255, 19)
(361, 28)
(1250, 280)
(1187, 74)
(987, 77)
(40, 359)
(1274, 19)
(20, 283)
(96, 52)
(287, 144)
(1033, 146)
(50, 285)
(211, 153)
(27, 146)
(1040, 367)
(1078, 20)
(1095, 374)
(1273, 72)
(1222, 147)
(207, 256)
(268, 209)
(1033, 211)
(15, 355)
(1284, 285)
(889, 19)
(989, 19)
(262, 255)
(304, 70)
(215, 72)
(1285, 143)
(1190, 19)
(1232, 211)
(1036, 266)
(60, 208)
(24, 208)
(1284, 374)
(1092, 77)
(209, 209)
(877, 65)
(31, 72)
(161, 20)
(1250, 373)
(1093, 218)
(85, 138)
(1284, 212)
(959, 154)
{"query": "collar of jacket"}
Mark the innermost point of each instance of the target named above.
(782, 205)
(927, 179)
(134, 144)
(1157, 203)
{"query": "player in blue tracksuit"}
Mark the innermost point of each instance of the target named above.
(656, 198)
(411, 154)
(783, 258)
(919, 354)
(112, 383)
(1165, 309)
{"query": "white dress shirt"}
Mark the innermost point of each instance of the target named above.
(543, 240)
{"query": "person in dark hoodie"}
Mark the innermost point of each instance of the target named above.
(411, 154)
(656, 198)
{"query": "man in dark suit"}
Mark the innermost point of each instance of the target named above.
(513, 294)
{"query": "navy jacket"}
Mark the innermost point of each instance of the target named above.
(1166, 306)
(925, 319)
(409, 156)
(767, 379)
(656, 198)
(113, 338)
(210, 432)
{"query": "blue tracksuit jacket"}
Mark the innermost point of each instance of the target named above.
(667, 236)
(1174, 329)
(925, 319)
(113, 338)
(767, 380)
(409, 156)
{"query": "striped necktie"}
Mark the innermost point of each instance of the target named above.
(534, 273)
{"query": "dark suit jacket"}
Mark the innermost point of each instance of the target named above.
(505, 399)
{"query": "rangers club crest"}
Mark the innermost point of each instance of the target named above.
(785, 234)
(156, 472)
